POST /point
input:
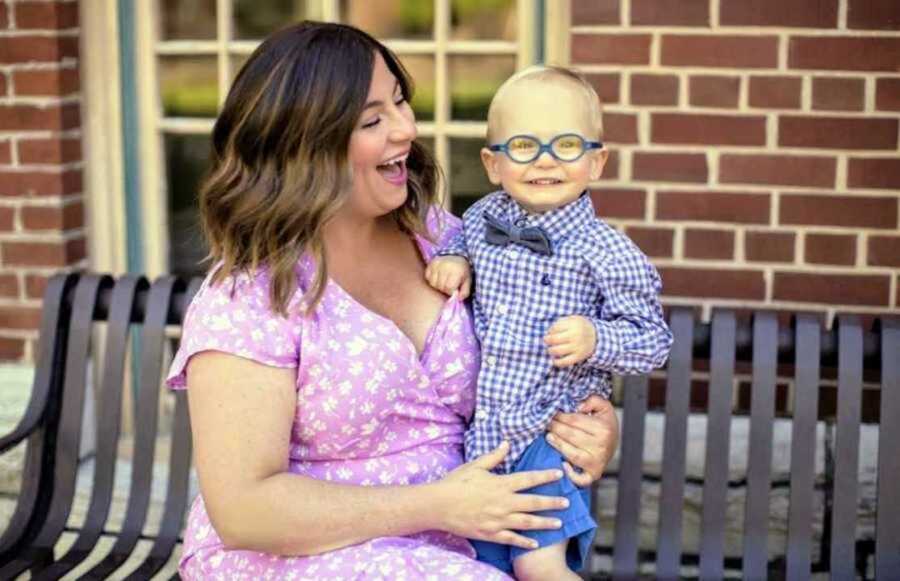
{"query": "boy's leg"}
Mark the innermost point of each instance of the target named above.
(544, 563)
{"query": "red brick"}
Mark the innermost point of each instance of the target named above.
(5, 152)
(670, 12)
(46, 49)
(654, 89)
(9, 286)
(7, 219)
(616, 49)
(606, 85)
(46, 15)
(839, 249)
(11, 349)
(595, 12)
(789, 13)
(845, 53)
(707, 244)
(705, 206)
(784, 170)
(703, 129)
(832, 289)
(33, 118)
(611, 169)
(3, 84)
(620, 127)
(619, 203)
(887, 94)
(53, 218)
(59, 82)
(40, 183)
(714, 91)
(769, 246)
(655, 242)
(20, 318)
(838, 94)
(669, 167)
(878, 172)
(35, 285)
(4, 16)
(884, 251)
(59, 150)
(719, 51)
(873, 14)
(837, 132)
(713, 283)
(49, 254)
(775, 92)
(846, 211)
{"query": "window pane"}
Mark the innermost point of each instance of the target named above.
(473, 81)
(421, 69)
(188, 19)
(187, 159)
(189, 86)
(483, 19)
(255, 19)
(468, 181)
(390, 18)
(237, 61)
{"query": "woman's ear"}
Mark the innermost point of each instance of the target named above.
(491, 163)
(598, 162)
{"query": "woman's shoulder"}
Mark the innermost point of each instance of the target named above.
(246, 290)
(442, 225)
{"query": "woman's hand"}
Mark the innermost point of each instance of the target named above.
(588, 439)
(478, 504)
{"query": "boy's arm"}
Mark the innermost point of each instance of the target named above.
(456, 246)
(631, 332)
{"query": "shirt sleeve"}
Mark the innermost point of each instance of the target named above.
(453, 241)
(632, 334)
(234, 317)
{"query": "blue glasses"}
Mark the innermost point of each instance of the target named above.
(567, 147)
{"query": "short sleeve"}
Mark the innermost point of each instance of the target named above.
(234, 316)
(443, 227)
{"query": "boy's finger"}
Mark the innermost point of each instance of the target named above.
(465, 288)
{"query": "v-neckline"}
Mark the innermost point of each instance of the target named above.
(432, 328)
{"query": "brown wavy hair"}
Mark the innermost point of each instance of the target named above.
(280, 166)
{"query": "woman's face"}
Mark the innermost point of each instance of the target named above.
(379, 146)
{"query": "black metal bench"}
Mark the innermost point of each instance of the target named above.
(75, 305)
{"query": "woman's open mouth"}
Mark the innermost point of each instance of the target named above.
(394, 170)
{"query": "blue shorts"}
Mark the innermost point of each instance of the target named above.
(578, 525)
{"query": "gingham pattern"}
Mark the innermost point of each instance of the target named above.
(595, 272)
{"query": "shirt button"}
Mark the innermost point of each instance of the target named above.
(502, 309)
(491, 361)
(481, 415)
(513, 254)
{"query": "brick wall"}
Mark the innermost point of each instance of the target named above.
(754, 145)
(41, 200)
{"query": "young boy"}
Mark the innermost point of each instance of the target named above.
(562, 300)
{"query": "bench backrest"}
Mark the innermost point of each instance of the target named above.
(130, 306)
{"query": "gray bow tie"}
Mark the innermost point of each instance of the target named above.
(502, 233)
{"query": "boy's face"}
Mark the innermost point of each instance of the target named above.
(543, 110)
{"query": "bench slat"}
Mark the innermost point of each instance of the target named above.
(109, 408)
(887, 523)
(759, 462)
(846, 453)
(628, 496)
(153, 342)
(718, 435)
(678, 392)
(803, 447)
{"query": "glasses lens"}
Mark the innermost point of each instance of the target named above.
(568, 147)
(522, 148)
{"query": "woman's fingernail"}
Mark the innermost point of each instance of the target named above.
(557, 524)
(558, 473)
(565, 503)
(533, 544)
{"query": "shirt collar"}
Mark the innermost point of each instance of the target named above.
(557, 223)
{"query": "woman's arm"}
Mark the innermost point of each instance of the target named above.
(588, 439)
(241, 418)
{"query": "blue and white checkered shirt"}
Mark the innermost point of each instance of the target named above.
(595, 272)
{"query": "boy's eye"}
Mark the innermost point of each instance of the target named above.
(521, 144)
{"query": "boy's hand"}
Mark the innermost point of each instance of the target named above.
(450, 273)
(571, 340)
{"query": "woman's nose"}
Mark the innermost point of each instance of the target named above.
(403, 129)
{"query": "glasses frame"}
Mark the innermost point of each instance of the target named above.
(548, 147)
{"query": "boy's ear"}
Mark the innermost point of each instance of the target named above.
(491, 163)
(598, 162)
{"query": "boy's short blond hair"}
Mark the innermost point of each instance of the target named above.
(544, 73)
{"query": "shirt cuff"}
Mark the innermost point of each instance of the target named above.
(609, 345)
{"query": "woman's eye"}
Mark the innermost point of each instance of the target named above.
(372, 123)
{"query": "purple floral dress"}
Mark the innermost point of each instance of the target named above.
(370, 411)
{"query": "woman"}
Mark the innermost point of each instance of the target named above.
(329, 385)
